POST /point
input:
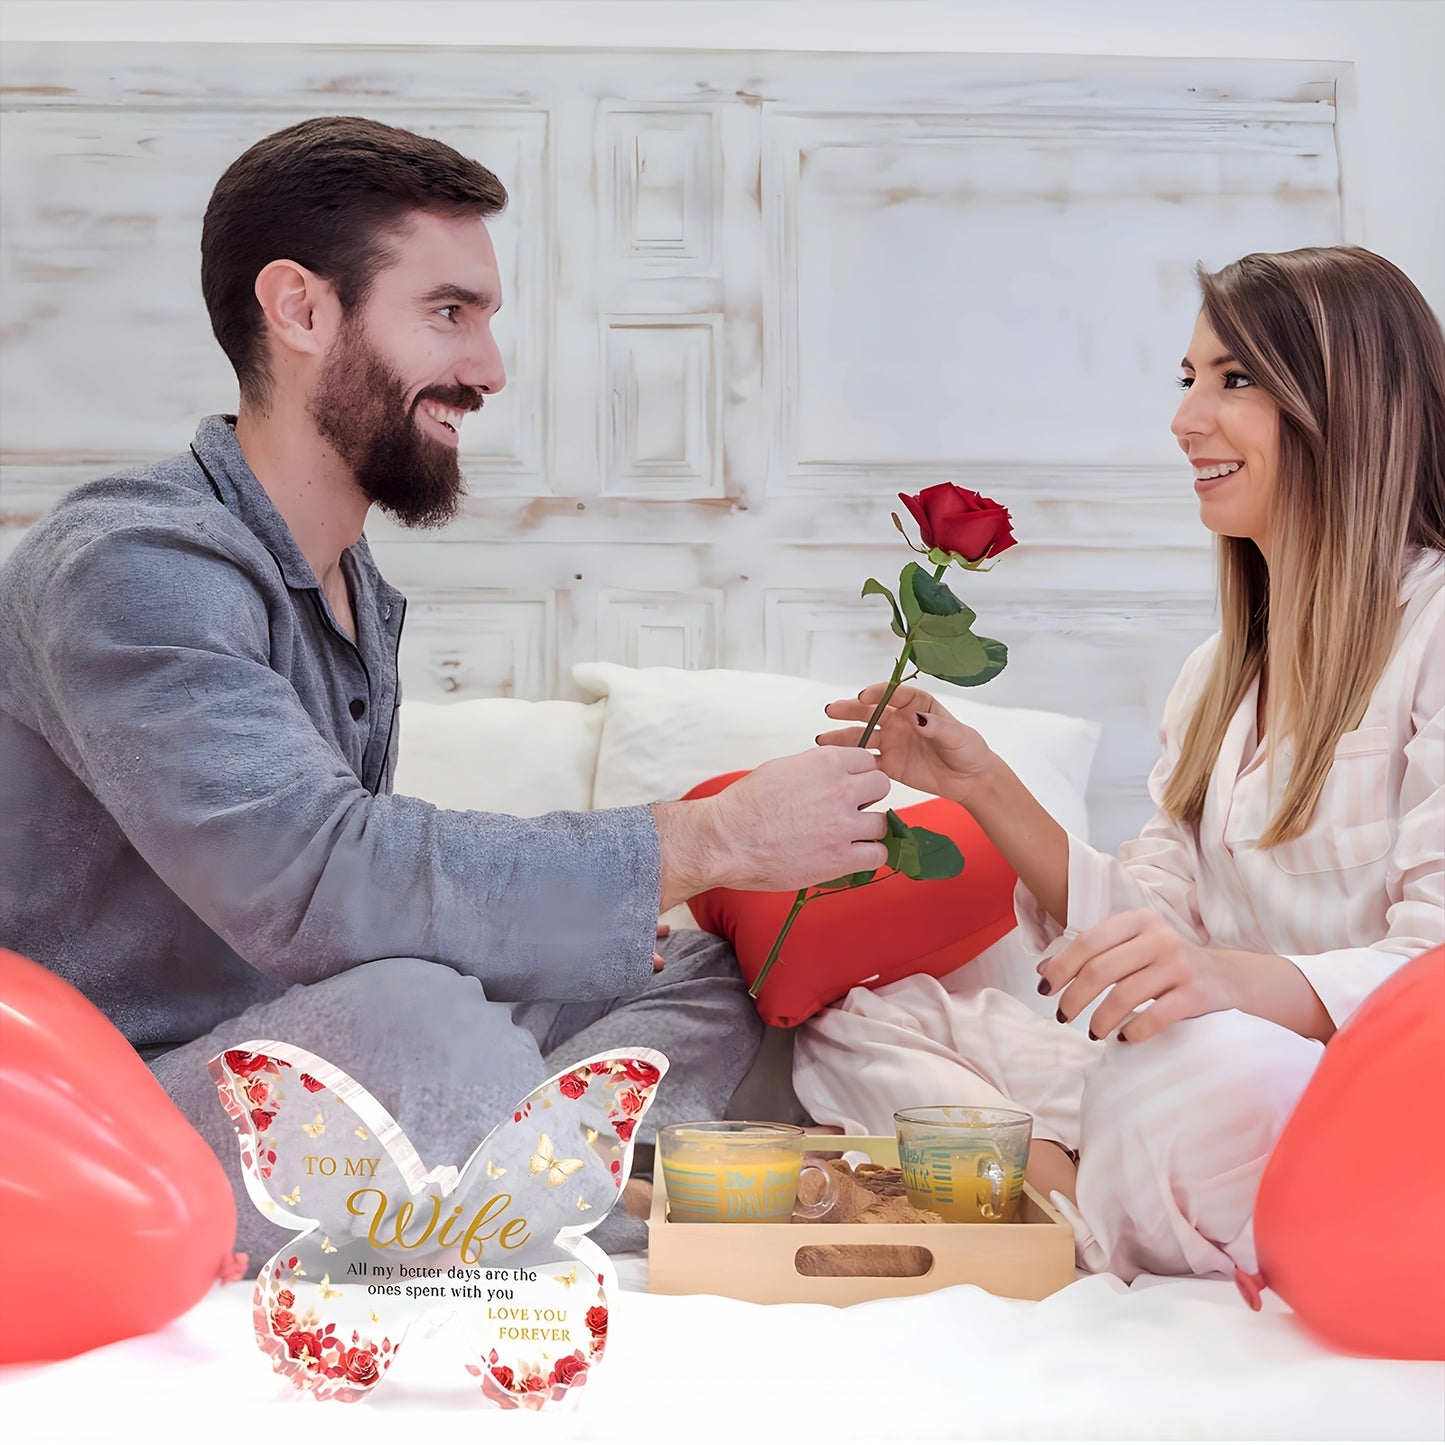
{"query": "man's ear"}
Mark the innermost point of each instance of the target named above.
(301, 308)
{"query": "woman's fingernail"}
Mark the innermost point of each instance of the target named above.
(1045, 987)
(1120, 1037)
(1093, 1036)
(1059, 1014)
(922, 719)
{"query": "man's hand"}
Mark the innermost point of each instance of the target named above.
(791, 822)
(1139, 958)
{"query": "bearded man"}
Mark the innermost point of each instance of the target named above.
(199, 714)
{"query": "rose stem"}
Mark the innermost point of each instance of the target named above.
(895, 679)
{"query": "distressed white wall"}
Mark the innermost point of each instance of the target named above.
(1392, 127)
(887, 271)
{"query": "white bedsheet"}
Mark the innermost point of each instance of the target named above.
(1164, 1359)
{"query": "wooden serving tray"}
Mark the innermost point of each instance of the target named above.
(1027, 1259)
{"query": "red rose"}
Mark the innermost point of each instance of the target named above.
(304, 1343)
(631, 1101)
(953, 519)
(624, 1128)
(360, 1366)
(597, 1319)
(640, 1072)
(573, 1085)
(502, 1374)
(283, 1322)
(257, 1091)
(534, 1382)
(261, 1119)
(240, 1062)
(566, 1369)
(311, 1085)
(285, 1299)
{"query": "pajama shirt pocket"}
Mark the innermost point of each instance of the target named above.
(1352, 825)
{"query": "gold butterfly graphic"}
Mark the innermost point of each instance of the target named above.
(327, 1290)
(294, 1197)
(591, 1135)
(315, 1130)
(568, 1279)
(544, 1162)
(582, 1202)
(495, 1173)
(326, 1245)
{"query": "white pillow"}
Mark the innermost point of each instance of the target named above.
(500, 754)
(668, 730)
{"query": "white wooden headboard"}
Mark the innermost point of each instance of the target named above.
(750, 297)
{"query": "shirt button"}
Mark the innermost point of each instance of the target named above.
(358, 709)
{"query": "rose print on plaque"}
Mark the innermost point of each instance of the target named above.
(382, 1240)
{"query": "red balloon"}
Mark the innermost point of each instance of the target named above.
(1349, 1222)
(115, 1215)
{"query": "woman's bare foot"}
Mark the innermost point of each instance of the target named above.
(1050, 1168)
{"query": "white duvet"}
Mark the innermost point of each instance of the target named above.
(1163, 1359)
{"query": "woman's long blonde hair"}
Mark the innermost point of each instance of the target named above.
(1355, 360)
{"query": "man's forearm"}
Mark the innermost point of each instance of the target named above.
(691, 850)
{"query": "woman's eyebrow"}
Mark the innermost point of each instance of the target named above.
(1218, 361)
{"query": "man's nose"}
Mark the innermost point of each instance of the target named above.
(485, 370)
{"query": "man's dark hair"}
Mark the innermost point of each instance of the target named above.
(327, 194)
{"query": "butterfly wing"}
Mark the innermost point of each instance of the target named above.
(322, 1157)
(539, 1319)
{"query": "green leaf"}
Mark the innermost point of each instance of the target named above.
(938, 855)
(936, 598)
(927, 600)
(902, 847)
(920, 854)
(949, 657)
(912, 608)
(940, 558)
(874, 588)
(995, 660)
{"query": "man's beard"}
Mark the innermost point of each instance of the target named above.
(360, 407)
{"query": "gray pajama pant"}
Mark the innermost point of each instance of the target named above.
(448, 1063)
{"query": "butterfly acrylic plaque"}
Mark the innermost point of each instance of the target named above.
(382, 1240)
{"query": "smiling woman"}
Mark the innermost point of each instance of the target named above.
(1297, 858)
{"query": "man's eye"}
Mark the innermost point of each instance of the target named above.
(442, 311)
(1185, 382)
(1233, 380)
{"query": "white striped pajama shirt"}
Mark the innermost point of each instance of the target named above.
(1174, 1132)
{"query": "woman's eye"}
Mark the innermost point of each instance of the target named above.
(1233, 380)
(1185, 382)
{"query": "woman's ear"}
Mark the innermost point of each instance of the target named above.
(301, 309)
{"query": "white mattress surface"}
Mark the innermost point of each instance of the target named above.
(1163, 1359)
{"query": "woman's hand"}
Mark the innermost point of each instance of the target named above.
(1133, 959)
(920, 743)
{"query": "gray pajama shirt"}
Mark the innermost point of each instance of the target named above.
(197, 830)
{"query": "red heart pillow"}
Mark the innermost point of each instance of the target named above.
(1347, 1221)
(874, 935)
